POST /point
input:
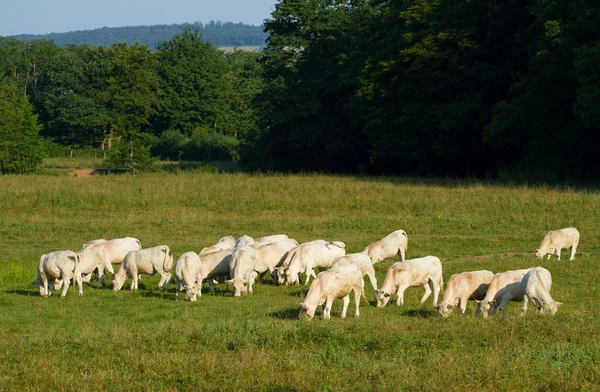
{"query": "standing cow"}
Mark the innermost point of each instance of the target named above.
(114, 250)
(388, 247)
(363, 262)
(504, 287)
(462, 287)
(145, 261)
(334, 283)
(556, 240)
(425, 271)
(62, 265)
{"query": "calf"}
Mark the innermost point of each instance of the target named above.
(425, 271)
(388, 247)
(536, 286)
(363, 262)
(334, 283)
(556, 240)
(188, 276)
(462, 287)
(504, 287)
(62, 265)
(145, 261)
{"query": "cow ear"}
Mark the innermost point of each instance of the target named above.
(301, 304)
(558, 304)
(493, 303)
(376, 292)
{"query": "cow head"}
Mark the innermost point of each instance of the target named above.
(279, 275)
(192, 292)
(118, 281)
(444, 309)
(307, 310)
(382, 298)
(550, 308)
(238, 286)
(485, 308)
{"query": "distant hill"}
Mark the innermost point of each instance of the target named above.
(218, 33)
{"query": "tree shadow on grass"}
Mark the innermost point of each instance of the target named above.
(419, 313)
(286, 314)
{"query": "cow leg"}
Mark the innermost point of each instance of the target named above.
(44, 284)
(524, 307)
(462, 305)
(163, 278)
(435, 286)
(357, 301)
(346, 302)
(79, 284)
(373, 280)
(427, 292)
(87, 278)
(101, 277)
(558, 252)
(502, 305)
(327, 310)
(402, 254)
(400, 294)
(573, 249)
(134, 281)
(108, 266)
(67, 282)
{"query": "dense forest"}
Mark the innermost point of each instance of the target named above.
(414, 87)
(217, 33)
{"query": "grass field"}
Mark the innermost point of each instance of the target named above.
(146, 341)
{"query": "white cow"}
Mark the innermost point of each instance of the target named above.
(279, 274)
(188, 276)
(556, 240)
(62, 265)
(247, 240)
(225, 243)
(462, 287)
(115, 250)
(334, 283)
(388, 247)
(241, 270)
(215, 264)
(504, 287)
(90, 260)
(145, 261)
(424, 271)
(536, 285)
(313, 255)
(363, 262)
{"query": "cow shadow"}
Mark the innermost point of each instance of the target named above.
(286, 314)
(299, 294)
(23, 292)
(420, 313)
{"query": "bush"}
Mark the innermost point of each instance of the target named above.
(203, 145)
(54, 150)
(120, 155)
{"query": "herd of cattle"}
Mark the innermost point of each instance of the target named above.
(244, 260)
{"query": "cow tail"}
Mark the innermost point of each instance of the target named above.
(168, 262)
(441, 284)
(139, 243)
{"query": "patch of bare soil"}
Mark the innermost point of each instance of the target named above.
(81, 173)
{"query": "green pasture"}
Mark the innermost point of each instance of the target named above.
(146, 340)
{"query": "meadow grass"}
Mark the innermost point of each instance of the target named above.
(147, 341)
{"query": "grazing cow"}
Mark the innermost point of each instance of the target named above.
(388, 247)
(334, 283)
(504, 287)
(90, 260)
(242, 272)
(145, 261)
(247, 240)
(363, 262)
(62, 265)
(215, 264)
(313, 255)
(279, 274)
(425, 271)
(556, 240)
(536, 286)
(225, 243)
(462, 287)
(261, 257)
(115, 250)
(188, 276)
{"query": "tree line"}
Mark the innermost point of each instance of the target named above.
(413, 87)
(216, 32)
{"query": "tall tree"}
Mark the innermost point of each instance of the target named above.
(20, 146)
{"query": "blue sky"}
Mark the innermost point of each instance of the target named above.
(57, 16)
